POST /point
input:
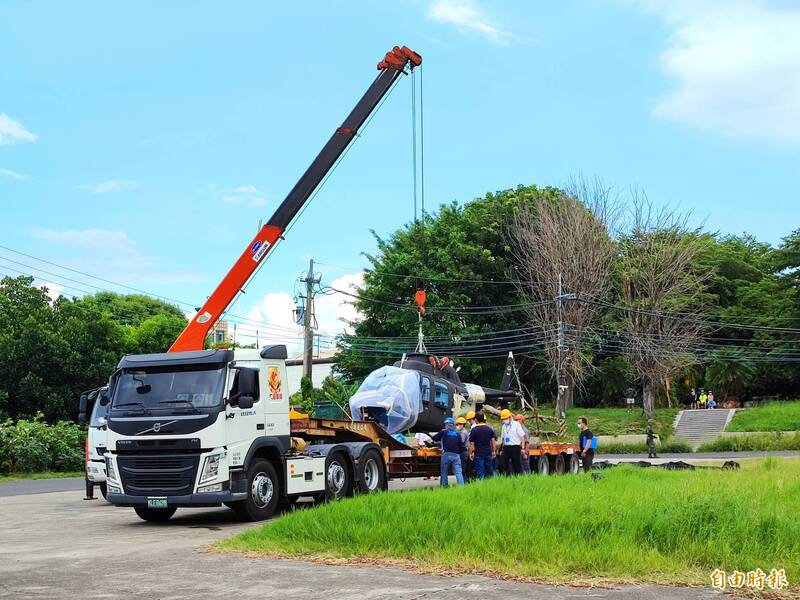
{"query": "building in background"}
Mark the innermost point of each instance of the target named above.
(322, 365)
(219, 333)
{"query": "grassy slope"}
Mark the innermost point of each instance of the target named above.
(646, 525)
(776, 416)
(617, 421)
(764, 442)
(41, 475)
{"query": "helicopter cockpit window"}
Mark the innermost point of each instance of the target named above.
(426, 391)
(442, 396)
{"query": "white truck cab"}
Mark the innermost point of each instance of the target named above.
(96, 441)
(204, 428)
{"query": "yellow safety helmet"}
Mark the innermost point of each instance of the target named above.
(470, 415)
(505, 414)
(461, 421)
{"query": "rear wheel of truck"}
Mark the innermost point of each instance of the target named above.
(263, 492)
(542, 465)
(338, 477)
(557, 464)
(574, 464)
(371, 472)
(155, 515)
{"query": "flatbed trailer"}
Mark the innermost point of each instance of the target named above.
(401, 461)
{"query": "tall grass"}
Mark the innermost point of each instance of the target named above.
(617, 421)
(776, 416)
(644, 524)
(766, 442)
(668, 447)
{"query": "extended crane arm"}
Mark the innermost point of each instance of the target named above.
(391, 67)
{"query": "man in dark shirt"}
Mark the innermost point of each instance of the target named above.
(585, 444)
(452, 446)
(481, 447)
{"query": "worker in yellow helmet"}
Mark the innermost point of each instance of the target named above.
(512, 437)
(464, 434)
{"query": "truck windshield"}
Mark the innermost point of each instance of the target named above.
(169, 387)
(99, 414)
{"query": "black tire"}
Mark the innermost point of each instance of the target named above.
(338, 477)
(104, 490)
(263, 492)
(371, 472)
(557, 464)
(542, 465)
(573, 464)
(155, 515)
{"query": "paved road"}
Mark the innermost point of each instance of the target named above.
(55, 545)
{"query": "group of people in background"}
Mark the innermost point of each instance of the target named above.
(704, 400)
(471, 449)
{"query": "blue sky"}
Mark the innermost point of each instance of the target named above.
(142, 141)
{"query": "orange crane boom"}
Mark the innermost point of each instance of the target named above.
(391, 67)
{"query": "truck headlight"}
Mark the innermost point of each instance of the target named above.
(110, 472)
(211, 467)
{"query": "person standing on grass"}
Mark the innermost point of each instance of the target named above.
(482, 448)
(525, 458)
(630, 399)
(466, 465)
(693, 399)
(585, 444)
(651, 440)
(512, 437)
(452, 446)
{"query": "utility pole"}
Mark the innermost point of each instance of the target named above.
(308, 344)
(561, 347)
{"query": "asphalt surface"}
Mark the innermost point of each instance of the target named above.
(56, 545)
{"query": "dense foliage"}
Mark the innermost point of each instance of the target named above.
(462, 257)
(29, 446)
(51, 351)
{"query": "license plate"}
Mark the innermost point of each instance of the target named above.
(156, 502)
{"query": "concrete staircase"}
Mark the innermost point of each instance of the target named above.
(698, 426)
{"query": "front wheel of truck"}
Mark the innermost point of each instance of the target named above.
(263, 492)
(155, 515)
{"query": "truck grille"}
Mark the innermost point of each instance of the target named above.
(158, 475)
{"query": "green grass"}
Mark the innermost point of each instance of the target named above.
(670, 446)
(764, 442)
(41, 475)
(630, 524)
(776, 416)
(617, 421)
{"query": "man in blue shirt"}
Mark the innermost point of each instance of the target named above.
(452, 446)
(482, 447)
(585, 444)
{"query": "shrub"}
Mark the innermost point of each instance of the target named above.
(32, 445)
(758, 443)
(669, 446)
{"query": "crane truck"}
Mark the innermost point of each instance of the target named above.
(204, 427)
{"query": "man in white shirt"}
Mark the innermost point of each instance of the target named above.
(512, 437)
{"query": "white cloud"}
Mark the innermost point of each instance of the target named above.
(54, 290)
(465, 15)
(111, 254)
(273, 315)
(12, 131)
(736, 66)
(13, 174)
(336, 311)
(244, 195)
(113, 185)
(95, 239)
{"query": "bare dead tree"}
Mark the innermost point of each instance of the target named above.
(564, 252)
(661, 293)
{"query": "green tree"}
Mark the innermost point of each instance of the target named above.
(729, 371)
(462, 257)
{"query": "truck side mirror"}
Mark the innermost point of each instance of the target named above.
(246, 402)
(103, 398)
(82, 408)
